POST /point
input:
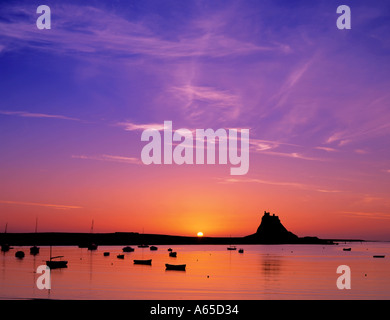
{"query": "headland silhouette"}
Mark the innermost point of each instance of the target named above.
(270, 231)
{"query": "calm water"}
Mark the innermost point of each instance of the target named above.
(261, 272)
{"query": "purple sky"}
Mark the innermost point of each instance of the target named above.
(74, 101)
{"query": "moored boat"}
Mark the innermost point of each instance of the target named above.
(92, 246)
(120, 256)
(53, 264)
(153, 248)
(173, 254)
(19, 254)
(56, 264)
(5, 247)
(34, 250)
(144, 262)
(241, 251)
(178, 267)
(231, 248)
(106, 254)
(378, 256)
(346, 249)
(127, 249)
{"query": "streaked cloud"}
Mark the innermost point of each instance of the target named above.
(55, 206)
(371, 215)
(99, 31)
(279, 183)
(293, 155)
(327, 149)
(130, 126)
(201, 101)
(27, 114)
(110, 158)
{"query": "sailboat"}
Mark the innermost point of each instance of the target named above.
(34, 250)
(230, 247)
(56, 264)
(5, 247)
(92, 246)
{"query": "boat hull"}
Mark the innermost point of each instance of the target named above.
(19, 254)
(144, 262)
(34, 250)
(177, 267)
(57, 264)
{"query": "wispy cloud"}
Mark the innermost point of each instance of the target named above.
(293, 155)
(371, 215)
(36, 115)
(288, 86)
(100, 31)
(110, 158)
(327, 149)
(130, 126)
(199, 101)
(55, 206)
(279, 183)
(274, 183)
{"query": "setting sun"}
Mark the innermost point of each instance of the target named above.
(200, 234)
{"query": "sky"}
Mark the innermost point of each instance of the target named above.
(75, 99)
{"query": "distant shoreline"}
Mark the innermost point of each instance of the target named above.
(133, 238)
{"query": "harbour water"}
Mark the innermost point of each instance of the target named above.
(212, 272)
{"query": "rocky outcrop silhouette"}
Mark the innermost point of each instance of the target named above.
(271, 230)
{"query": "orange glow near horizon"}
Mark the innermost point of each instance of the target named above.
(200, 234)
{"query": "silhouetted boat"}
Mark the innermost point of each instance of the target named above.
(346, 249)
(241, 251)
(173, 254)
(143, 246)
(34, 250)
(153, 248)
(178, 267)
(231, 248)
(56, 264)
(145, 262)
(378, 256)
(5, 247)
(170, 249)
(19, 254)
(92, 246)
(106, 254)
(120, 256)
(127, 249)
